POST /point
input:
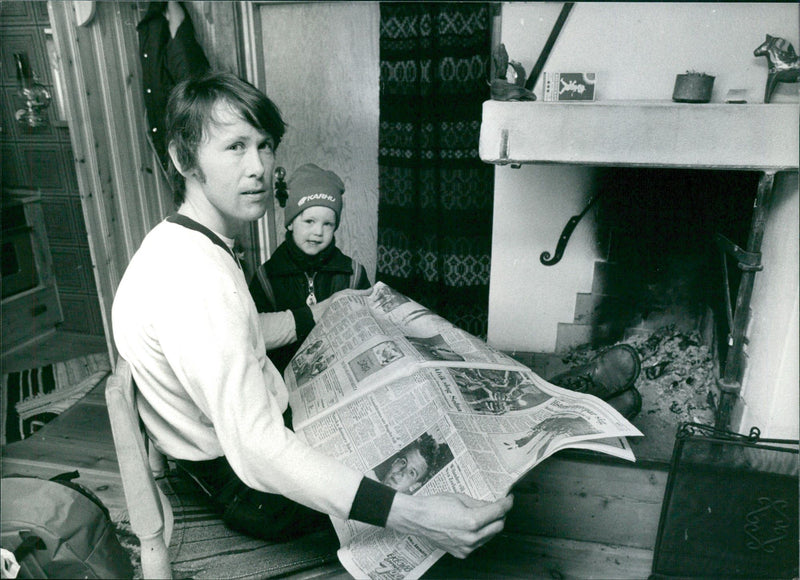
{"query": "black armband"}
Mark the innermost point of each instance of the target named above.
(372, 503)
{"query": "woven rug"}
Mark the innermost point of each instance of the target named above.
(33, 397)
(203, 547)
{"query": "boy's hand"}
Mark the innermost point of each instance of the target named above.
(456, 523)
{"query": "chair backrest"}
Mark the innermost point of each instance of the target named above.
(149, 510)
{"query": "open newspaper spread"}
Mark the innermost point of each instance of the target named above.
(397, 392)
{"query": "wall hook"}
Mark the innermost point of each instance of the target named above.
(281, 193)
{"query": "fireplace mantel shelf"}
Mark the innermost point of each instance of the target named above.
(642, 133)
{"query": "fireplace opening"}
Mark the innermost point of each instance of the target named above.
(662, 286)
(660, 228)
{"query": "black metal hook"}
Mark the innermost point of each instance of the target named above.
(545, 258)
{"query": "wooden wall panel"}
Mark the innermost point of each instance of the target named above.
(9, 165)
(216, 29)
(17, 12)
(121, 192)
(23, 39)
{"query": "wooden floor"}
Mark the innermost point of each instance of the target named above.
(79, 438)
(574, 516)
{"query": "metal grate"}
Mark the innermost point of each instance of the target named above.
(730, 508)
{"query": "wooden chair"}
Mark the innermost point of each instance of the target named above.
(139, 463)
(151, 513)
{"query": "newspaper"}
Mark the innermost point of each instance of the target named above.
(397, 392)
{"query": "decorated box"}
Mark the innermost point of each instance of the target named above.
(569, 86)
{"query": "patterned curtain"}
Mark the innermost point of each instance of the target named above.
(435, 208)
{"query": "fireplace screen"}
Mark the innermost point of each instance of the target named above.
(731, 507)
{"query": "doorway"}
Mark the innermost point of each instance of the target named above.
(39, 158)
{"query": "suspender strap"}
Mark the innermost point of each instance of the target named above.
(187, 222)
(354, 278)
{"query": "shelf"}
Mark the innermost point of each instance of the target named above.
(642, 133)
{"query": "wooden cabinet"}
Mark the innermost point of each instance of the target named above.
(30, 304)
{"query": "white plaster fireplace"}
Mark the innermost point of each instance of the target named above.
(560, 145)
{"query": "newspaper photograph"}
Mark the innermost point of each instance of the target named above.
(393, 390)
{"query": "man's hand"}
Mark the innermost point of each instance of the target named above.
(456, 523)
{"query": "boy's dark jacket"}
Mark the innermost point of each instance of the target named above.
(281, 284)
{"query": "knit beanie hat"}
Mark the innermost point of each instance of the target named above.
(309, 186)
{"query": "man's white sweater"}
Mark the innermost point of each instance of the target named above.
(184, 320)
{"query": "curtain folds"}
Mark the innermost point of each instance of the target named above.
(435, 206)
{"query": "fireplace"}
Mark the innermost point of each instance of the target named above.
(717, 162)
(661, 287)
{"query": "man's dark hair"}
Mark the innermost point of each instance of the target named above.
(190, 110)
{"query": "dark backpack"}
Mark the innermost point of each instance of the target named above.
(59, 529)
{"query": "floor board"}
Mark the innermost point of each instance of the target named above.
(80, 438)
(511, 556)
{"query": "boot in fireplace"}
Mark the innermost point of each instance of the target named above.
(610, 376)
(628, 403)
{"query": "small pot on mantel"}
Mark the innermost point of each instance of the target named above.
(693, 87)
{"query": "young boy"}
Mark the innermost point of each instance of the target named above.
(208, 395)
(307, 267)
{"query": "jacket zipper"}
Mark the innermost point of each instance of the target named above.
(311, 299)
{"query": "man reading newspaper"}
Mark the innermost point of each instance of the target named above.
(209, 397)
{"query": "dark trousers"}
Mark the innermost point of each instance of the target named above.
(256, 513)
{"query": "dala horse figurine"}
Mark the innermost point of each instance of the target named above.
(784, 64)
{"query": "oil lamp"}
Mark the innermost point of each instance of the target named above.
(36, 97)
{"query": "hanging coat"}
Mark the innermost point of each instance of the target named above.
(165, 62)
